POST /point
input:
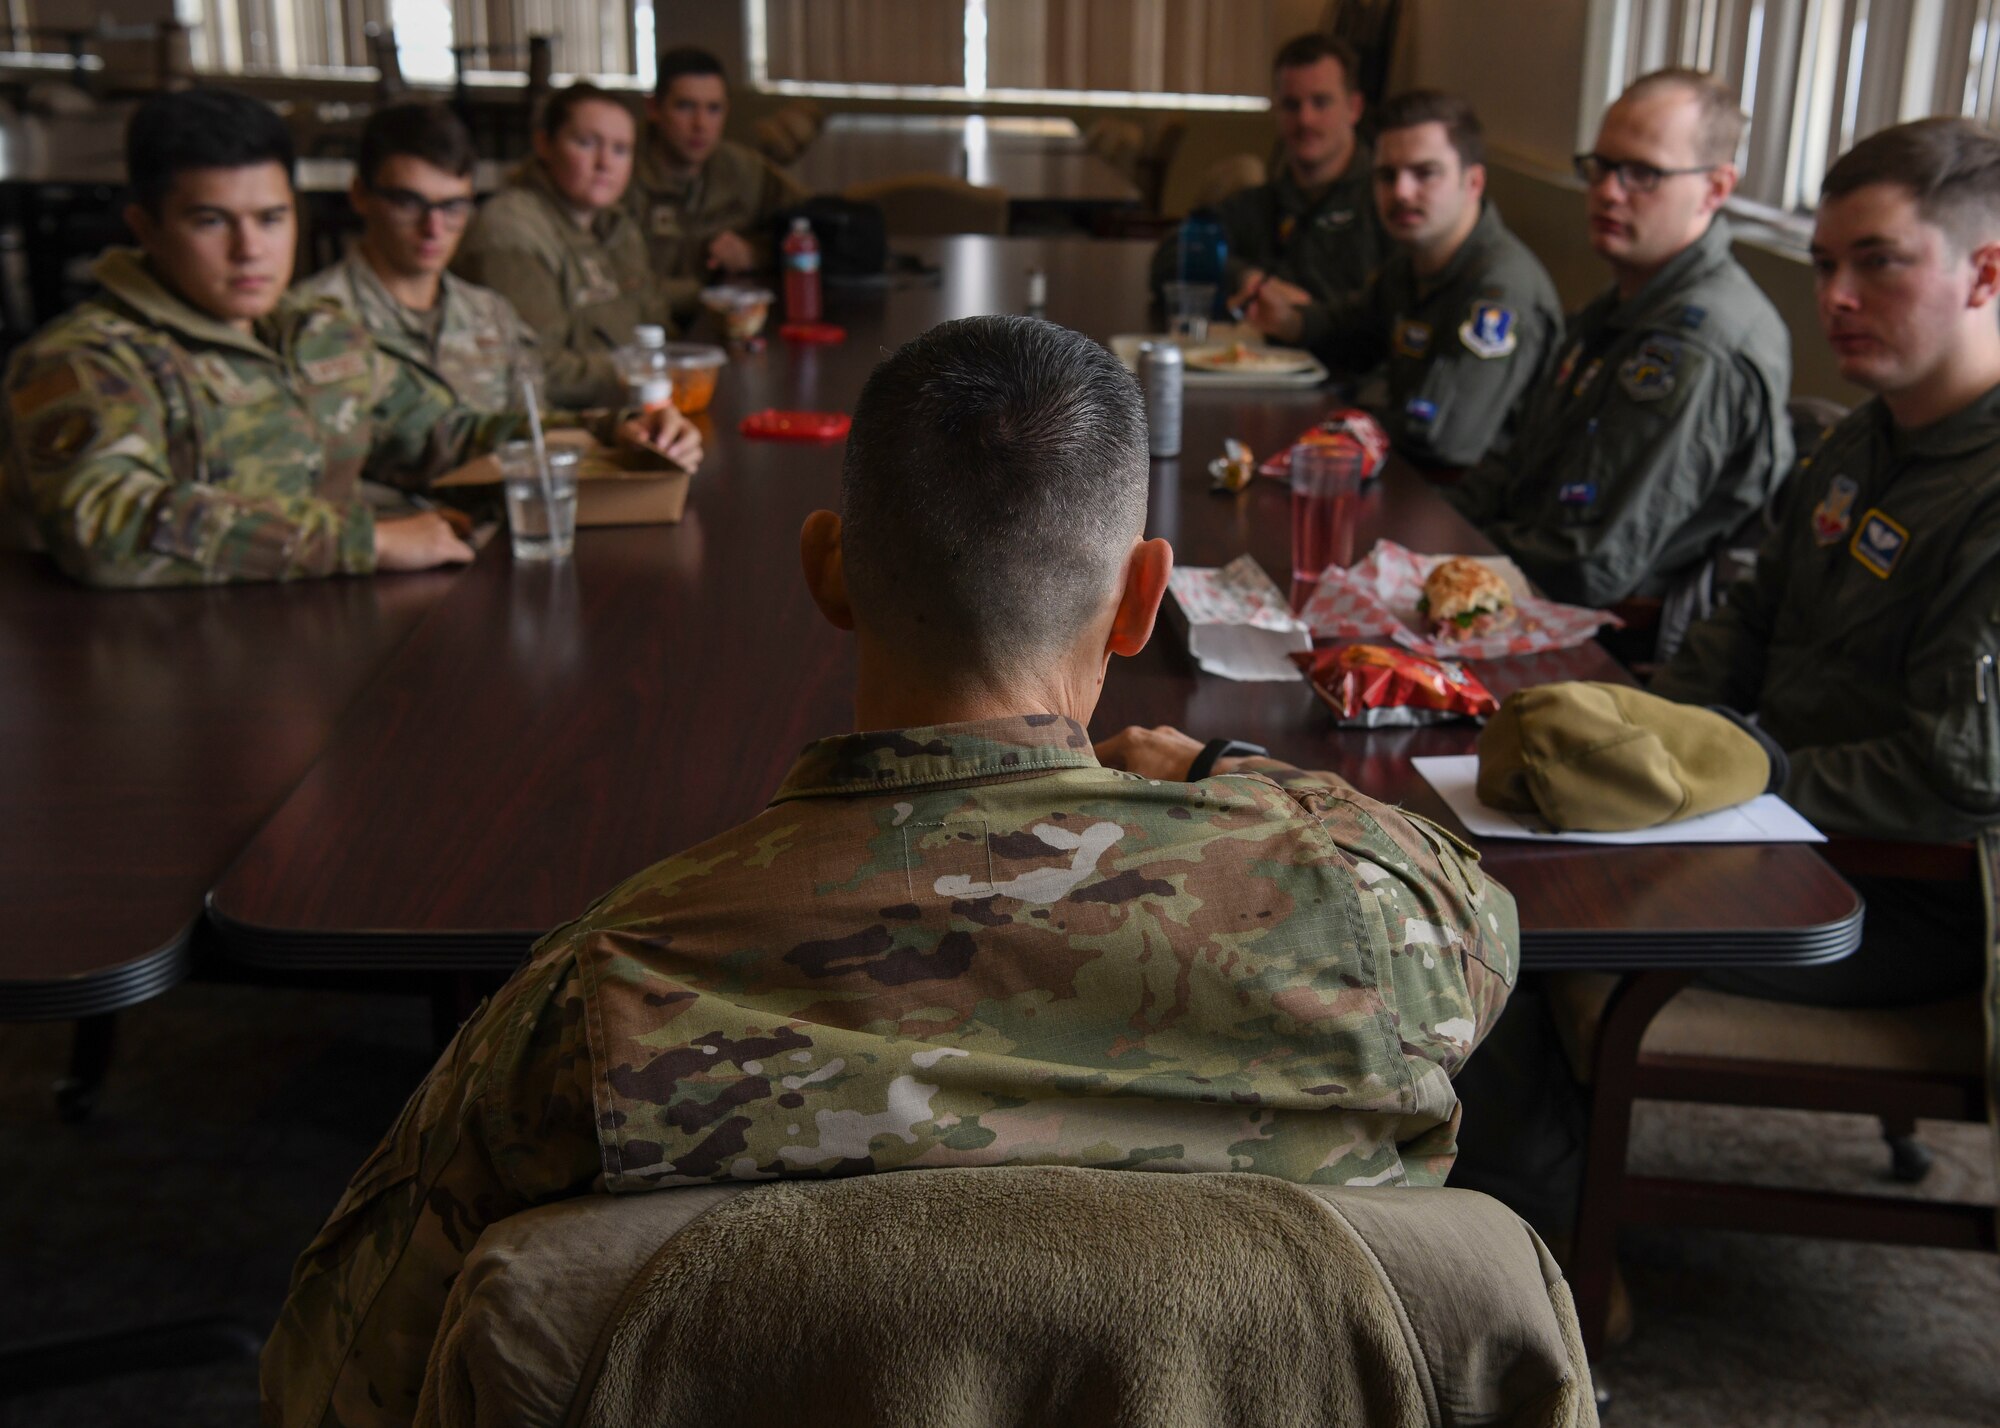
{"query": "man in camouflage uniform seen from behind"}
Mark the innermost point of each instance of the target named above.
(192, 424)
(704, 203)
(964, 938)
(413, 190)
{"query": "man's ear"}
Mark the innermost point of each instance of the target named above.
(356, 191)
(140, 221)
(1146, 572)
(1985, 275)
(825, 572)
(1355, 104)
(1721, 184)
(1475, 180)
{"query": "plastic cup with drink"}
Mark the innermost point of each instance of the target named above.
(1326, 492)
(1187, 307)
(541, 500)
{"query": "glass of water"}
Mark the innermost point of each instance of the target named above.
(541, 516)
(1188, 306)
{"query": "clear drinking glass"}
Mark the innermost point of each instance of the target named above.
(541, 516)
(1188, 306)
(1326, 489)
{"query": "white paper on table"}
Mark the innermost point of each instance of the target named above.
(1239, 623)
(1765, 819)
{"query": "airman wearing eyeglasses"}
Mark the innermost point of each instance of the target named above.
(413, 190)
(1662, 429)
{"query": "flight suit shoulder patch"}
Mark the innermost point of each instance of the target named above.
(1653, 371)
(1489, 331)
(59, 437)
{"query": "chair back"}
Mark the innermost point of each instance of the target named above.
(1037, 1294)
(1230, 175)
(927, 204)
(773, 140)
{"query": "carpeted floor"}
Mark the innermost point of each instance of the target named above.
(234, 1115)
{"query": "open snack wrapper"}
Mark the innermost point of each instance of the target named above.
(1376, 599)
(1349, 427)
(1239, 624)
(613, 487)
(1380, 686)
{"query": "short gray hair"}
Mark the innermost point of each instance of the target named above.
(995, 479)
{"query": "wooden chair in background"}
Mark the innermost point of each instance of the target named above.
(1649, 1036)
(1230, 175)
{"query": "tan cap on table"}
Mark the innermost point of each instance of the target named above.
(1604, 757)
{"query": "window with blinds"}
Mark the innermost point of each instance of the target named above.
(1183, 53)
(600, 38)
(1815, 75)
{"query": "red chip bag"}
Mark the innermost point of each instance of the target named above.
(1349, 426)
(1378, 686)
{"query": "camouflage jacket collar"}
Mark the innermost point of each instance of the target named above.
(652, 176)
(979, 752)
(125, 274)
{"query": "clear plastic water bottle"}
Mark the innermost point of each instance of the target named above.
(1202, 252)
(649, 381)
(801, 255)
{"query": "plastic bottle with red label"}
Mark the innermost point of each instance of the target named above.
(801, 264)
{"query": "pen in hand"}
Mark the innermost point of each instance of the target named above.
(1238, 311)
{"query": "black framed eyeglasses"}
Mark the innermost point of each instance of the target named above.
(414, 208)
(1637, 177)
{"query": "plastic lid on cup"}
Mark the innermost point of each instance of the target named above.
(686, 355)
(648, 335)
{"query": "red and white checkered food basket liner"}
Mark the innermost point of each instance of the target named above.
(1377, 599)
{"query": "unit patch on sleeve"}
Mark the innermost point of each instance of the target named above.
(1648, 374)
(1834, 515)
(1421, 412)
(1879, 544)
(1489, 331)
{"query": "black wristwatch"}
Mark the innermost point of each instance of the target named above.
(1216, 750)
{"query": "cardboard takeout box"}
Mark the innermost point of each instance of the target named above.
(613, 487)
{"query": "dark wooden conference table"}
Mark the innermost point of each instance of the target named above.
(144, 735)
(545, 732)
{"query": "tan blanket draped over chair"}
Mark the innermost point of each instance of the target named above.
(1042, 1295)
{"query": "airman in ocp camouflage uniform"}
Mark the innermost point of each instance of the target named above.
(966, 944)
(472, 340)
(704, 203)
(582, 290)
(962, 945)
(736, 191)
(155, 445)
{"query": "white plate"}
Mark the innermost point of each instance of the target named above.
(1255, 361)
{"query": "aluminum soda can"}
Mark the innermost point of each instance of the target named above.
(1161, 372)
